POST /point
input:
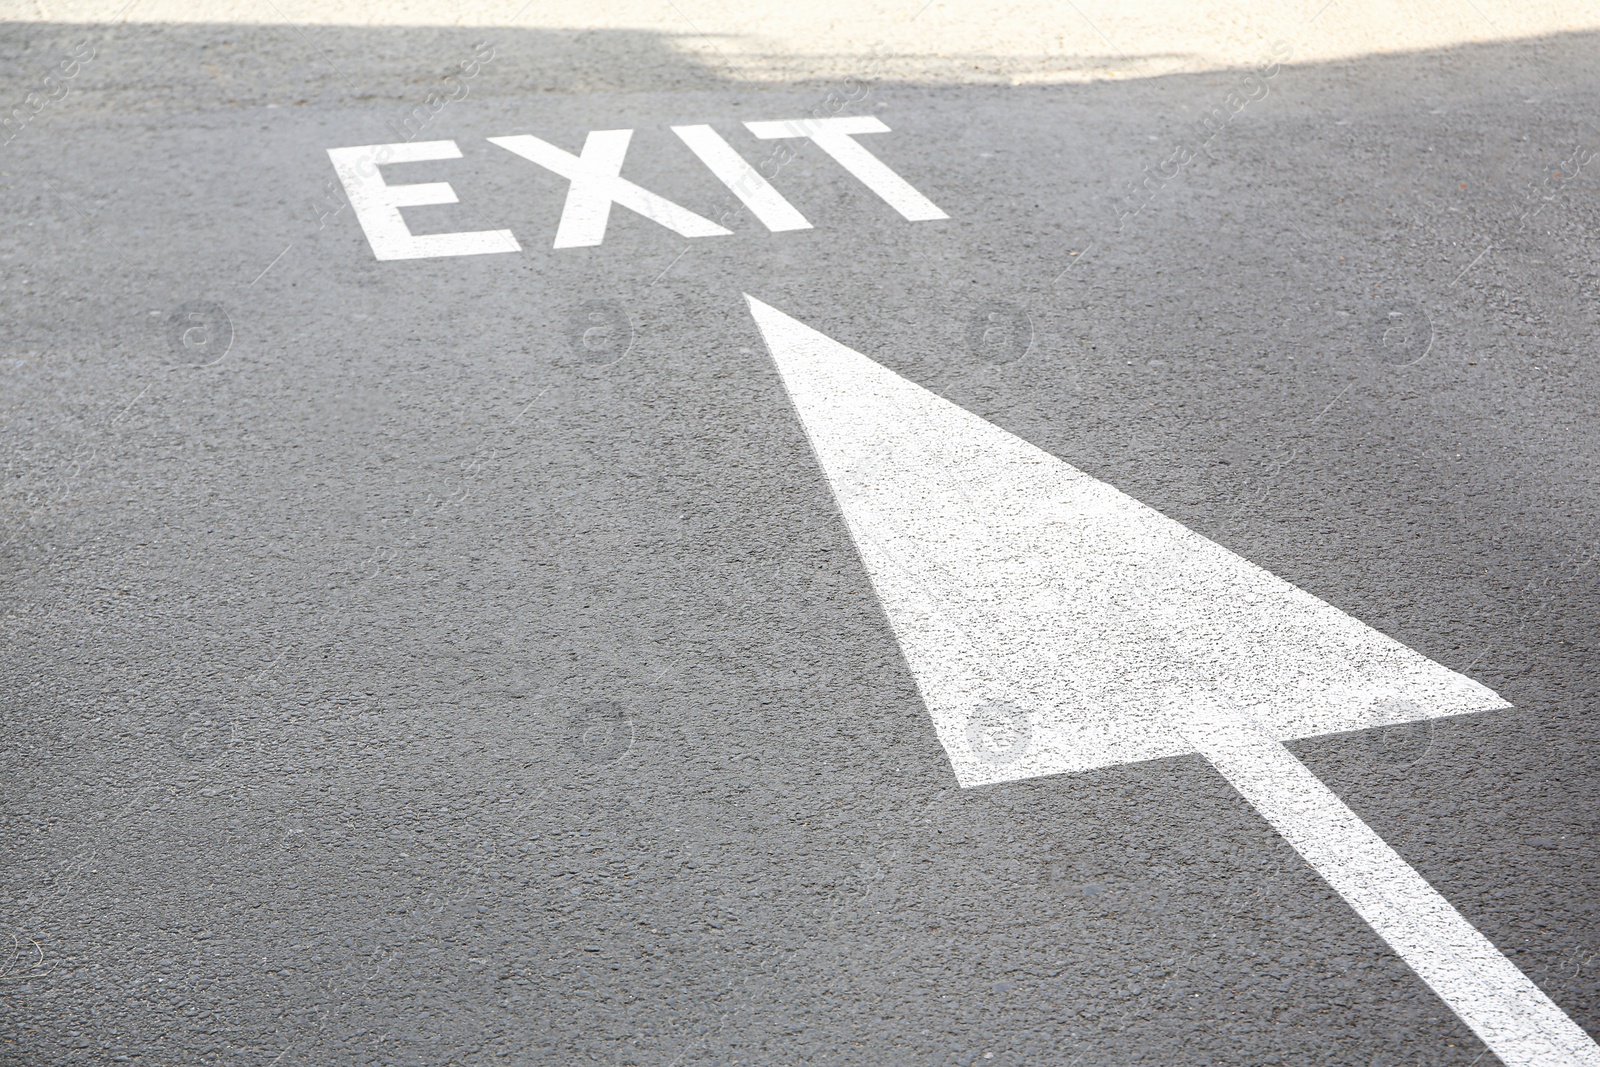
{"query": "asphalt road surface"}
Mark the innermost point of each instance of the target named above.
(463, 659)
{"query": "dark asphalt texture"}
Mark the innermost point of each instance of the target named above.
(411, 686)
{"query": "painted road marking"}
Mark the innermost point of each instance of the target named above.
(1087, 629)
(597, 184)
(377, 204)
(834, 136)
(754, 191)
(1016, 582)
(1507, 1011)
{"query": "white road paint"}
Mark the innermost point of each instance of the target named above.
(754, 191)
(597, 184)
(834, 136)
(1054, 623)
(1015, 581)
(1509, 1013)
(377, 204)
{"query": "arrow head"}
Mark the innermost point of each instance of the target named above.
(1051, 619)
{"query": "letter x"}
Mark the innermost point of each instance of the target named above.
(596, 185)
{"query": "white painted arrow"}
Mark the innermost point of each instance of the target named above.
(1055, 624)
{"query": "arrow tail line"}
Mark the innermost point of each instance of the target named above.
(1510, 1014)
